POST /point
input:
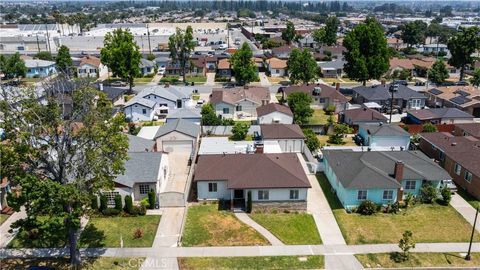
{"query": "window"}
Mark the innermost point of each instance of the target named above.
(458, 169)
(468, 176)
(263, 194)
(226, 111)
(212, 187)
(322, 100)
(238, 108)
(144, 111)
(416, 103)
(294, 194)
(144, 189)
(277, 71)
(110, 197)
(441, 155)
(388, 194)
(410, 185)
(362, 195)
(93, 70)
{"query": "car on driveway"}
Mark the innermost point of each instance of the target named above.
(117, 83)
(450, 185)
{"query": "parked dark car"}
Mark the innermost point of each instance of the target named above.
(229, 85)
(461, 83)
(117, 83)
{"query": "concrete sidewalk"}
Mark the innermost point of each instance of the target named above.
(465, 209)
(5, 235)
(243, 217)
(168, 231)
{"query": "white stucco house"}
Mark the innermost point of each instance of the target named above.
(166, 97)
(91, 67)
(140, 109)
(274, 113)
(384, 136)
(178, 135)
(277, 67)
(273, 181)
(239, 103)
(290, 137)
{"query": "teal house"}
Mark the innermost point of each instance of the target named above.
(384, 136)
(380, 176)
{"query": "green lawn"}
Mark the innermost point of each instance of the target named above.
(324, 141)
(3, 218)
(49, 235)
(143, 80)
(291, 229)
(469, 198)
(206, 225)
(196, 79)
(279, 262)
(106, 232)
(319, 117)
(386, 260)
(449, 225)
(109, 263)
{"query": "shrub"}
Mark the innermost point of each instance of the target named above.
(409, 200)
(249, 202)
(429, 127)
(151, 199)
(446, 195)
(139, 210)
(150, 75)
(429, 193)
(118, 202)
(94, 203)
(111, 212)
(405, 244)
(144, 202)
(103, 202)
(228, 122)
(367, 207)
(128, 204)
(330, 109)
(138, 233)
(392, 208)
(170, 79)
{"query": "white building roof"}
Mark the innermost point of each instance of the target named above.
(221, 145)
(148, 132)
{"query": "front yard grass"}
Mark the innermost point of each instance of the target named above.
(348, 141)
(277, 80)
(291, 229)
(143, 80)
(386, 260)
(428, 222)
(91, 263)
(3, 218)
(107, 231)
(206, 225)
(279, 262)
(196, 79)
(319, 117)
(469, 198)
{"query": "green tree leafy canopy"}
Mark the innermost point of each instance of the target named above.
(63, 59)
(243, 67)
(438, 73)
(299, 103)
(302, 67)
(181, 45)
(462, 45)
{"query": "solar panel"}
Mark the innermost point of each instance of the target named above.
(435, 91)
(460, 100)
(462, 93)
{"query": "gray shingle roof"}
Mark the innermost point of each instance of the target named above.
(384, 130)
(380, 92)
(435, 113)
(142, 167)
(142, 101)
(146, 63)
(170, 93)
(138, 144)
(180, 125)
(184, 113)
(375, 169)
(33, 63)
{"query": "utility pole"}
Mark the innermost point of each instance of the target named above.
(393, 88)
(48, 39)
(38, 43)
(148, 36)
(228, 35)
(468, 257)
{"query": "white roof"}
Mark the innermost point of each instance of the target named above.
(220, 145)
(372, 105)
(32, 63)
(148, 132)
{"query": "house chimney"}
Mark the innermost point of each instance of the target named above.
(383, 82)
(337, 86)
(398, 173)
(259, 149)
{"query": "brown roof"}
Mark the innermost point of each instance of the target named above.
(231, 50)
(283, 49)
(235, 95)
(253, 170)
(326, 91)
(471, 128)
(464, 150)
(281, 131)
(273, 107)
(364, 114)
(277, 63)
(91, 60)
(338, 49)
(449, 92)
(401, 63)
(224, 63)
(199, 62)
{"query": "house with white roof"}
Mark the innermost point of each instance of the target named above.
(140, 109)
(37, 68)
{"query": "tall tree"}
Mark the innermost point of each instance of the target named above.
(299, 103)
(121, 54)
(331, 28)
(181, 44)
(462, 46)
(319, 36)
(438, 73)
(44, 55)
(243, 67)
(14, 67)
(367, 53)
(289, 34)
(302, 67)
(59, 158)
(413, 33)
(475, 80)
(63, 59)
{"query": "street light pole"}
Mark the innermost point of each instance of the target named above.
(393, 88)
(468, 257)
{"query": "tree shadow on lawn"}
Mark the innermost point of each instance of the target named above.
(91, 237)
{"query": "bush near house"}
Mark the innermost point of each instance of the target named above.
(151, 199)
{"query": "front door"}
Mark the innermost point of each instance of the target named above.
(238, 194)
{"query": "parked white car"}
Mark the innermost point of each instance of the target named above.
(450, 185)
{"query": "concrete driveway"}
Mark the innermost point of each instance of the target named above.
(210, 79)
(263, 79)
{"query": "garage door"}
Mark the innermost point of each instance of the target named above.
(177, 146)
(383, 142)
